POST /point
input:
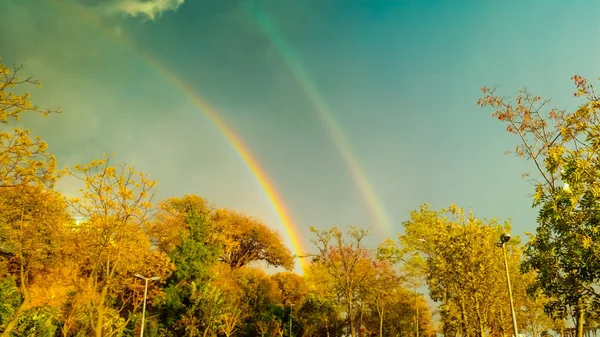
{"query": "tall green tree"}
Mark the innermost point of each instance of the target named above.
(192, 304)
(563, 148)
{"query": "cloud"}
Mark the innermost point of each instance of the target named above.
(149, 9)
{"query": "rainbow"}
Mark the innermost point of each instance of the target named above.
(293, 234)
(325, 114)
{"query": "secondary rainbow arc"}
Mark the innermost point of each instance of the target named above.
(325, 114)
(293, 234)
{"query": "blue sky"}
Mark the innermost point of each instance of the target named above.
(402, 78)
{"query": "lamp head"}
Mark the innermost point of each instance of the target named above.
(155, 278)
(504, 238)
(139, 276)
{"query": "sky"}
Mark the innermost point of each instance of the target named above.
(398, 80)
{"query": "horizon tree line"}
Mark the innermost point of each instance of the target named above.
(68, 265)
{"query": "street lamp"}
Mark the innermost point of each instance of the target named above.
(417, 312)
(155, 278)
(504, 238)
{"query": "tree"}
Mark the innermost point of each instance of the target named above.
(461, 267)
(13, 105)
(231, 319)
(292, 286)
(384, 287)
(263, 327)
(171, 224)
(11, 300)
(347, 262)
(22, 160)
(532, 307)
(32, 220)
(563, 146)
(203, 310)
(112, 245)
(235, 307)
(321, 310)
(192, 304)
(260, 295)
(294, 290)
(37, 322)
(247, 240)
(406, 312)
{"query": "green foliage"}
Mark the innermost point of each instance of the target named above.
(10, 299)
(187, 291)
(38, 322)
(196, 254)
(260, 295)
(317, 314)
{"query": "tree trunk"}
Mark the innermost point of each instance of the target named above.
(445, 315)
(360, 322)
(350, 314)
(99, 328)
(417, 321)
(463, 314)
(381, 323)
(23, 285)
(479, 318)
(580, 318)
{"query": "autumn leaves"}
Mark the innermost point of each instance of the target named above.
(64, 277)
(23, 160)
(61, 277)
(458, 256)
(562, 146)
(77, 277)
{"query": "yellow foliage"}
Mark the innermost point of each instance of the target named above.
(246, 239)
(24, 160)
(112, 245)
(113, 192)
(12, 105)
(32, 227)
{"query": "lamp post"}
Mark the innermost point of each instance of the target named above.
(146, 279)
(417, 318)
(504, 238)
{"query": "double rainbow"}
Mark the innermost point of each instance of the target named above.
(324, 112)
(293, 234)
